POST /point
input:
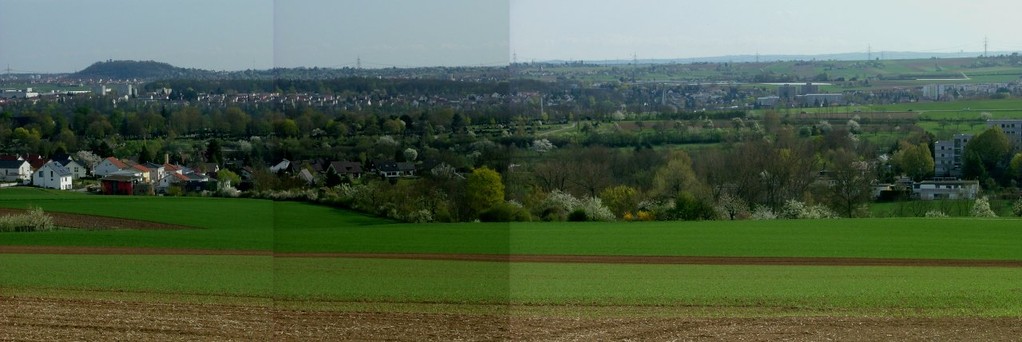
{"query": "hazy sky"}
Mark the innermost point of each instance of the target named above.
(583, 29)
(68, 35)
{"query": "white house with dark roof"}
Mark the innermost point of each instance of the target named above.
(52, 175)
(346, 168)
(15, 171)
(77, 170)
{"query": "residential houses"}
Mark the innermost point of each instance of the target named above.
(346, 169)
(391, 169)
(18, 171)
(108, 166)
(124, 177)
(945, 189)
(284, 166)
(78, 171)
(53, 175)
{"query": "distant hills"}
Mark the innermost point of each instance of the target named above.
(851, 56)
(152, 70)
(139, 70)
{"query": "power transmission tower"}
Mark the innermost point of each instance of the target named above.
(869, 52)
(635, 66)
(984, 46)
(358, 63)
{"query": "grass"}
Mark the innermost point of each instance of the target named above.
(248, 276)
(885, 238)
(778, 290)
(954, 208)
(881, 238)
(290, 227)
(793, 288)
(460, 286)
(220, 223)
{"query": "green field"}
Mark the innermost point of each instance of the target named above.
(363, 283)
(220, 223)
(369, 284)
(247, 276)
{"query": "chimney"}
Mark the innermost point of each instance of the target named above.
(166, 158)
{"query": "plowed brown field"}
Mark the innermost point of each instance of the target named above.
(32, 318)
(41, 319)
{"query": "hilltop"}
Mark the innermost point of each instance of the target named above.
(138, 70)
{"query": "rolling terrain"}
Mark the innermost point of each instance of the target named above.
(247, 269)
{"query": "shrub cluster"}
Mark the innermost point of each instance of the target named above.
(34, 220)
(505, 212)
(763, 213)
(561, 206)
(640, 215)
(795, 210)
(982, 208)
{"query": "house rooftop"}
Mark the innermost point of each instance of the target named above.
(59, 169)
(117, 162)
(11, 164)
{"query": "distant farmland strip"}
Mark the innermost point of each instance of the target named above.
(669, 260)
(124, 251)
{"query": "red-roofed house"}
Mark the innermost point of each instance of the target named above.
(108, 166)
(37, 163)
(171, 178)
(146, 172)
(171, 168)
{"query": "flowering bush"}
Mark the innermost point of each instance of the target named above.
(559, 203)
(763, 213)
(34, 220)
(935, 214)
(982, 208)
(793, 209)
(419, 216)
(644, 216)
(659, 210)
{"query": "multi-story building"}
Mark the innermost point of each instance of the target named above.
(947, 155)
(934, 91)
(809, 88)
(1011, 127)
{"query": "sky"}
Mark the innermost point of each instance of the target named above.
(645, 29)
(64, 36)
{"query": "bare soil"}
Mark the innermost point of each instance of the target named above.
(82, 221)
(39, 319)
(59, 319)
